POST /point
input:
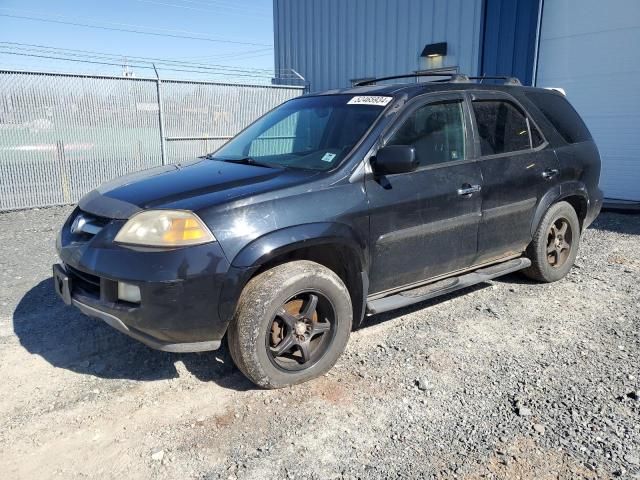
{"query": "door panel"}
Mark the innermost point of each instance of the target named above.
(421, 226)
(511, 192)
(513, 183)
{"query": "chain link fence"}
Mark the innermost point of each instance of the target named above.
(62, 135)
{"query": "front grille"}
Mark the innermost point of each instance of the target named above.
(85, 281)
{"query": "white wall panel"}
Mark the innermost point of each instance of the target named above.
(591, 49)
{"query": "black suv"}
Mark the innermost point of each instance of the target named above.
(328, 208)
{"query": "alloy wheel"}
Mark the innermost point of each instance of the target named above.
(301, 331)
(559, 240)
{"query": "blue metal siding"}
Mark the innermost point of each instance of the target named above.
(510, 38)
(331, 42)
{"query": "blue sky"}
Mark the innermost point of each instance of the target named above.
(248, 23)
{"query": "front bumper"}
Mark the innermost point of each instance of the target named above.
(124, 318)
(145, 338)
(180, 289)
(148, 340)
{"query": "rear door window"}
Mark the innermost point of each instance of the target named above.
(502, 127)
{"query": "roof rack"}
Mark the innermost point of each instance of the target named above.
(452, 77)
(507, 80)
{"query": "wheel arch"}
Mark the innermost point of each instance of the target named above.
(333, 245)
(574, 193)
(580, 204)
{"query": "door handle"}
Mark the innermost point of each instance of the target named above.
(467, 190)
(550, 173)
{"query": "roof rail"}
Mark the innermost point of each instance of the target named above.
(507, 80)
(406, 75)
(452, 77)
(459, 78)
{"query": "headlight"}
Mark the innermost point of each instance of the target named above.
(164, 228)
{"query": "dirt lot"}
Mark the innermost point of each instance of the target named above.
(506, 380)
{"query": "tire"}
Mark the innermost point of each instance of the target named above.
(272, 311)
(555, 243)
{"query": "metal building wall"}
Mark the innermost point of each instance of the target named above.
(590, 48)
(509, 42)
(331, 42)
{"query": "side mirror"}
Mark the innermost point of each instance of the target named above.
(395, 159)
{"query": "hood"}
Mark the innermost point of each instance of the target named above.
(189, 186)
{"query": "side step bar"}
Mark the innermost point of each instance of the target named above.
(442, 287)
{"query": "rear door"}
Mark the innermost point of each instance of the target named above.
(517, 169)
(422, 223)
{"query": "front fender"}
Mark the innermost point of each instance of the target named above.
(279, 242)
(282, 241)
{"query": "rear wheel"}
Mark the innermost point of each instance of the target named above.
(554, 247)
(291, 324)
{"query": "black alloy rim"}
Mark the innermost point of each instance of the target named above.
(301, 331)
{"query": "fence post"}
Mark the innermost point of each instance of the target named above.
(64, 179)
(160, 117)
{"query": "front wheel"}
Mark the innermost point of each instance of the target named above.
(554, 247)
(291, 324)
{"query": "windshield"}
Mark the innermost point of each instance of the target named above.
(309, 132)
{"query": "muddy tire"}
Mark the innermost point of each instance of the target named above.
(291, 324)
(555, 244)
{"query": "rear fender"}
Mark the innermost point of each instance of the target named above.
(556, 194)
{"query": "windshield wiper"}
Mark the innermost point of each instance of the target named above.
(243, 160)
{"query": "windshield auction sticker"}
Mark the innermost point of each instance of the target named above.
(369, 100)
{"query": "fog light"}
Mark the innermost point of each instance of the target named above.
(128, 292)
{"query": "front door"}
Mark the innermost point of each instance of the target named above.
(517, 170)
(425, 223)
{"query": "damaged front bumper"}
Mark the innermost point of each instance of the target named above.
(178, 307)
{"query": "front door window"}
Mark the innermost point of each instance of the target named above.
(436, 131)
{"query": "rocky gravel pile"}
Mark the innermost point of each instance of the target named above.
(509, 379)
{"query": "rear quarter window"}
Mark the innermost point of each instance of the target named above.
(561, 115)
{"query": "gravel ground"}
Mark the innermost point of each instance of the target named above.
(510, 379)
